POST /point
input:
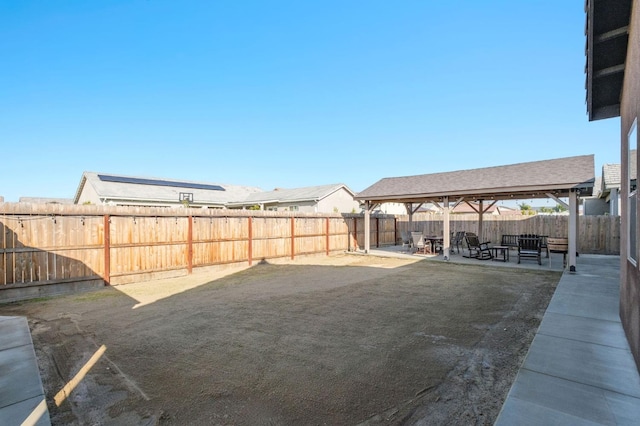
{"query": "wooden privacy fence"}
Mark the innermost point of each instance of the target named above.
(48, 244)
(596, 234)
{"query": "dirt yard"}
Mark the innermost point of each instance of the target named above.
(339, 340)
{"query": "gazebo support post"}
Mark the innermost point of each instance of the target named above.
(446, 233)
(481, 211)
(480, 216)
(409, 207)
(367, 226)
(573, 228)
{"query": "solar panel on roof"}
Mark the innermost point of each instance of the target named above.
(159, 182)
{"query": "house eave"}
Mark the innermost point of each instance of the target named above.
(563, 190)
(607, 32)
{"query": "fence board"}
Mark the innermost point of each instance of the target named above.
(597, 234)
(50, 243)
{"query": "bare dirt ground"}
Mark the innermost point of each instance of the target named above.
(330, 340)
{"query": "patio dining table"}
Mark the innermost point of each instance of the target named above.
(435, 241)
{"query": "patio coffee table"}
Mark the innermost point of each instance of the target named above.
(500, 253)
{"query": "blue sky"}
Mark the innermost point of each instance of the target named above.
(288, 93)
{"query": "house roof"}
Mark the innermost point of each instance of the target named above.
(610, 176)
(45, 200)
(309, 193)
(607, 32)
(524, 180)
(131, 188)
(597, 188)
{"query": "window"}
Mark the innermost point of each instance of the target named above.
(293, 208)
(632, 219)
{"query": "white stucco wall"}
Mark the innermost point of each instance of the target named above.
(89, 194)
(341, 200)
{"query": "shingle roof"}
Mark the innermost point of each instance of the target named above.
(611, 176)
(527, 180)
(597, 187)
(310, 193)
(607, 31)
(162, 193)
(45, 200)
(612, 173)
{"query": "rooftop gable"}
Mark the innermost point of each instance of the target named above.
(611, 176)
(310, 193)
(120, 187)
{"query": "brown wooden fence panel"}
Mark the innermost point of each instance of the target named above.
(596, 235)
(40, 248)
(387, 231)
(147, 244)
(53, 243)
(271, 237)
(382, 233)
(338, 234)
(220, 240)
(310, 235)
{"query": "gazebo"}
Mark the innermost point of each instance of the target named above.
(569, 177)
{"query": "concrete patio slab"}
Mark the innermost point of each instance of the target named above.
(12, 334)
(592, 330)
(585, 306)
(604, 367)
(21, 391)
(549, 400)
(579, 369)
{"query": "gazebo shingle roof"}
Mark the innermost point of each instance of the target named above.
(526, 180)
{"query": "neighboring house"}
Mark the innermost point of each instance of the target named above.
(610, 189)
(606, 194)
(45, 200)
(389, 208)
(464, 208)
(102, 188)
(596, 204)
(336, 198)
(613, 72)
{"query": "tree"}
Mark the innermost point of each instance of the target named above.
(526, 209)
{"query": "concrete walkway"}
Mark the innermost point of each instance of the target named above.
(22, 399)
(579, 369)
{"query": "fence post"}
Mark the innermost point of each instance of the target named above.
(355, 232)
(107, 250)
(189, 244)
(327, 228)
(377, 232)
(293, 244)
(395, 230)
(250, 242)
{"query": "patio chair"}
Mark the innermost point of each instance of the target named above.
(558, 245)
(457, 240)
(477, 250)
(529, 248)
(544, 247)
(406, 238)
(419, 244)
